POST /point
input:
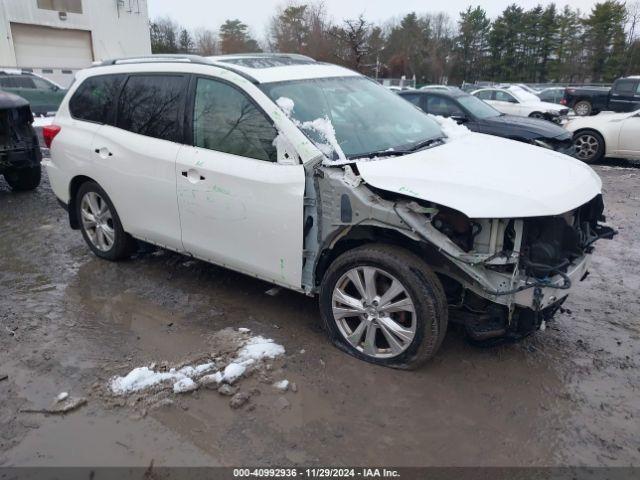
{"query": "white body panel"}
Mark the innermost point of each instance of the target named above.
(521, 107)
(620, 131)
(242, 213)
(139, 176)
(484, 176)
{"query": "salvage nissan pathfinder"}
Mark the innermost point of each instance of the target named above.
(317, 179)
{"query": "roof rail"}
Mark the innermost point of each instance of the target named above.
(167, 58)
(296, 56)
(173, 58)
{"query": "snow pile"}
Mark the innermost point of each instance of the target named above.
(142, 378)
(450, 127)
(190, 378)
(40, 122)
(323, 127)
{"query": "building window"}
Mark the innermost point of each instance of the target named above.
(71, 6)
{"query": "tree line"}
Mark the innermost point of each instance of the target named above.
(542, 44)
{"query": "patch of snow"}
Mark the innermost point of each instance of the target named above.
(184, 385)
(233, 372)
(282, 385)
(40, 122)
(259, 348)
(244, 330)
(321, 126)
(286, 105)
(62, 397)
(450, 127)
(190, 377)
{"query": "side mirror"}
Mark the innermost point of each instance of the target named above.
(459, 119)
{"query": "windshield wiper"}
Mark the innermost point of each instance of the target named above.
(396, 153)
(379, 154)
(432, 142)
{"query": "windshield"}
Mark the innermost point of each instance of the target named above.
(478, 108)
(366, 117)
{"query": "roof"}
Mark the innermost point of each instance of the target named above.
(278, 67)
(9, 100)
(452, 93)
(258, 67)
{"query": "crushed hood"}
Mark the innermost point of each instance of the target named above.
(488, 177)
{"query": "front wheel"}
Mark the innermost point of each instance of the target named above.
(23, 179)
(589, 146)
(100, 224)
(537, 115)
(384, 305)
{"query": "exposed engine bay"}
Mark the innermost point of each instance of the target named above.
(504, 278)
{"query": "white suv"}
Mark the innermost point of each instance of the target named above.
(318, 179)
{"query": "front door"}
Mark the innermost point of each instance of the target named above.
(629, 142)
(238, 207)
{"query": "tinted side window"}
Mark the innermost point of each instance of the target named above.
(95, 99)
(485, 95)
(152, 105)
(225, 120)
(625, 86)
(505, 97)
(413, 98)
(444, 107)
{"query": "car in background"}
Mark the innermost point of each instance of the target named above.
(519, 102)
(19, 147)
(552, 94)
(623, 96)
(444, 88)
(606, 135)
(43, 95)
(481, 117)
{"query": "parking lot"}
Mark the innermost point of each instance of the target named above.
(69, 322)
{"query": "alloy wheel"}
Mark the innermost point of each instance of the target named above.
(97, 221)
(587, 146)
(374, 312)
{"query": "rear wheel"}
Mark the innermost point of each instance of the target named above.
(23, 179)
(100, 224)
(384, 305)
(583, 108)
(589, 146)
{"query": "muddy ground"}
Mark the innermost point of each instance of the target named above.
(69, 322)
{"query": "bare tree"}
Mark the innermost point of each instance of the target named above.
(206, 42)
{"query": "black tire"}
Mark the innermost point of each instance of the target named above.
(538, 115)
(583, 108)
(592, 154)
(420, 283)
(23, 179)
(123, 245)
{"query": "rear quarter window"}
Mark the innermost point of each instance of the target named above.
(95, 99)
(152, 105)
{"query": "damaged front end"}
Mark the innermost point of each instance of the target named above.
(504, 278)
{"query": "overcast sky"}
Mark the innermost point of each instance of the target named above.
(255, 13)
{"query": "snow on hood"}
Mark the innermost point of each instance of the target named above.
(488, 177)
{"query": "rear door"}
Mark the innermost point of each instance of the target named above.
(134, 158)
(624, 95)
(238, 207)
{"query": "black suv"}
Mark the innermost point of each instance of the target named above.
(481, 117)
(19, 147)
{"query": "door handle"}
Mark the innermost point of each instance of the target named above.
(104, 152)
(193, 176)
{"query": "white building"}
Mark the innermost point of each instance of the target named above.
(55, 38)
